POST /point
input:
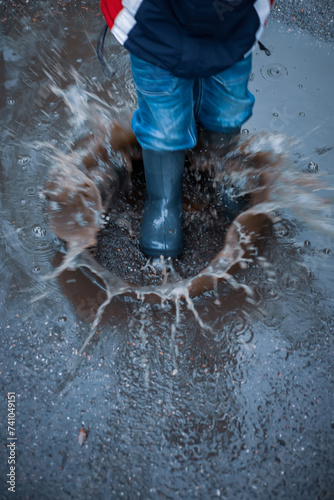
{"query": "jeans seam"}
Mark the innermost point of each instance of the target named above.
(199, 99)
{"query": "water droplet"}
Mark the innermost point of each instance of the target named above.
(327, 251)
(10, 101)
(274, 72)
(257, 90)
(23, 202)
(301, 113)
(300, 86)
(38, 231)
(312, 167)
(62, 319)
(79, 60)
(36, 269)
(251, 78)
(30, 191)
(245, 131)
(275, 114)
(307, 243)
(24, 160)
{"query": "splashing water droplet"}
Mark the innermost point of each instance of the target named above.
(62, 319)
(38, 231)
(327, 251)
(36, 269)
(312, 167)
(24, 160)
(301, 113)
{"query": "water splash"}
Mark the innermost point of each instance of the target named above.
(95, 173)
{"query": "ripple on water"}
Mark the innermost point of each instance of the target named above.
(274, 72)
(286, 229)
(30, 190)
(36, 242)
(235, 328)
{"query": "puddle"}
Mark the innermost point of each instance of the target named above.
(205, 377)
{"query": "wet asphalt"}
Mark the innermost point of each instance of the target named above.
(160, 408)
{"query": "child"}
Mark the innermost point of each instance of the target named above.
(191, 62)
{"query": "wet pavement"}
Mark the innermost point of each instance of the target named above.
(228, 395)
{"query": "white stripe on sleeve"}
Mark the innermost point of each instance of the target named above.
(125, 20)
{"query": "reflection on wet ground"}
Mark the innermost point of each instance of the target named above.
(226, 395)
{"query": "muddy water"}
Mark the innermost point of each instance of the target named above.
(224, 395)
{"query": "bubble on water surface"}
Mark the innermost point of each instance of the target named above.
(38, 231)
(24, 160)
(312, 167)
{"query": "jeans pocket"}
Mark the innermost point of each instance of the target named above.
(151, 79)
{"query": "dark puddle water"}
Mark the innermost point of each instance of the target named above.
(224, 393)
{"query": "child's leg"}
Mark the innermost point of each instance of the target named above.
(224, 102)
(164, 126)
(164, 120)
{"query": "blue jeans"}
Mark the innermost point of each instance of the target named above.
(168, 106)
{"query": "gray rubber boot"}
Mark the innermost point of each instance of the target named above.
(217, 140)
(231, 200)
(161, 231)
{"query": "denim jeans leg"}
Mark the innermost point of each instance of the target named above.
(225, 101)
(164, 120)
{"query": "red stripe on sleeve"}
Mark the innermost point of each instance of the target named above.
(110, 10)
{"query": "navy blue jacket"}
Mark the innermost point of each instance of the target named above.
(190, 38)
